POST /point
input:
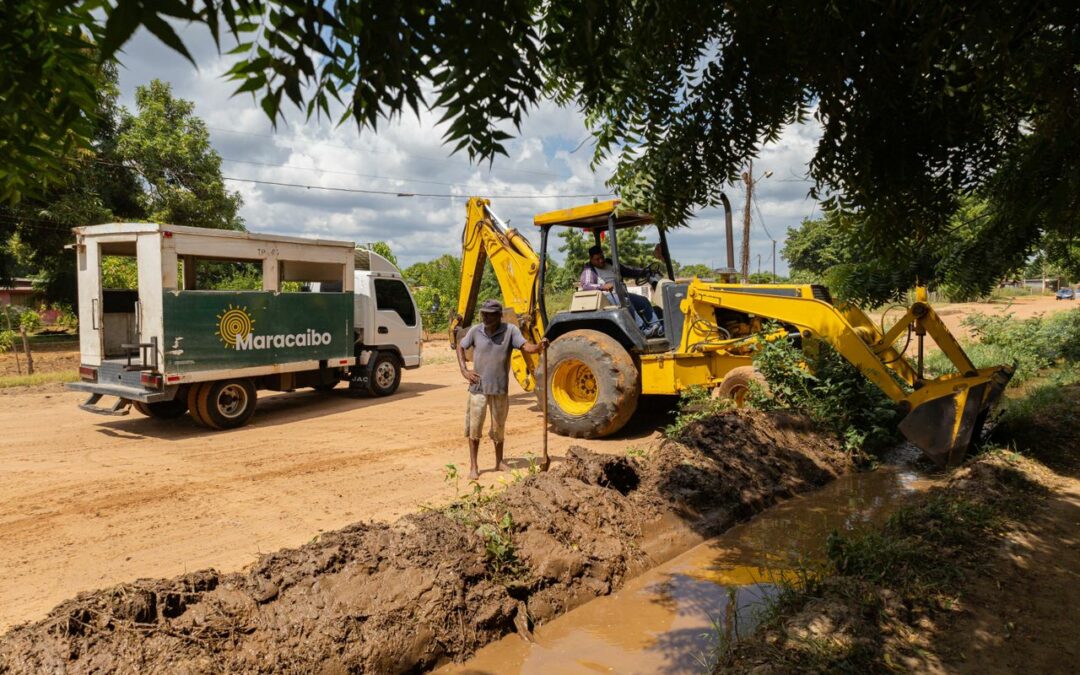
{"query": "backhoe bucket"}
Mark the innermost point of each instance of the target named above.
(944, 426)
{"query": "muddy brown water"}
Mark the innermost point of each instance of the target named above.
(669, 618)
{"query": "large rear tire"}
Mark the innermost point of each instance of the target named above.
(594, 385)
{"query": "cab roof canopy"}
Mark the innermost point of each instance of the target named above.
(593, 216)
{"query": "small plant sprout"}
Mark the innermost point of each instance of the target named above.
(451, 475)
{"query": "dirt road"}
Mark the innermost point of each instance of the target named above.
(89, 501)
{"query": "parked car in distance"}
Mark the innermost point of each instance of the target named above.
(1065, 294)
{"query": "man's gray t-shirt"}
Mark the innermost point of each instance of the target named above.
(491, 356)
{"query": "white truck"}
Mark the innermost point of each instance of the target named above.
(327, 312)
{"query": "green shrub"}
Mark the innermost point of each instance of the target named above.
(833, 393)
(66, 319)
(30, 321)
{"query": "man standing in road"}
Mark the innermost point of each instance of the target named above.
(491, 342)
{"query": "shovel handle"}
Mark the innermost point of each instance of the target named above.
(546, 377)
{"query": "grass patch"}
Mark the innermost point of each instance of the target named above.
(36, 379)
(1045, 422)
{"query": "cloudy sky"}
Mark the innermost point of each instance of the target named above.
(550, 157)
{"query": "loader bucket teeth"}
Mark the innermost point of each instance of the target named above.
(944, 427)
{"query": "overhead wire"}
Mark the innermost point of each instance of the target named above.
(385, 193)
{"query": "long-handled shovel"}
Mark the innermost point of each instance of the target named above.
(547, 380)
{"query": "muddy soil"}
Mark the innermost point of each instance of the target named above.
(431, 587)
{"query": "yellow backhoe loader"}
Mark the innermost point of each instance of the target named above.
(601, 362)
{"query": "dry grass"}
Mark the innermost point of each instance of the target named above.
(38, 379)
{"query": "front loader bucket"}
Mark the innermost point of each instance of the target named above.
(944, 426)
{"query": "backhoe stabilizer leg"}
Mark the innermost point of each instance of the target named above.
(943, 427)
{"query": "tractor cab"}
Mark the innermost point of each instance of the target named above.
(642, 311)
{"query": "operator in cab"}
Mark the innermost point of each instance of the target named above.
(599, 275)
(491, 342)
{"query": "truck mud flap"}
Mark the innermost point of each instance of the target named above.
(120, 408)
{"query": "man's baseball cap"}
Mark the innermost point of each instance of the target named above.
(493, 306)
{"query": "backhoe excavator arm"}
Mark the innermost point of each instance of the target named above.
(516, 268)
(943, 413)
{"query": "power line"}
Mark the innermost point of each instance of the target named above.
(387, 193)
(761, 218)
(470, 186)
(383, 193)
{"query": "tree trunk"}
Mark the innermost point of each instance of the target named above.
(26, 348)
(14, 349)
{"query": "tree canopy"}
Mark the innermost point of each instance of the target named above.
(921, 103)
(156, 164)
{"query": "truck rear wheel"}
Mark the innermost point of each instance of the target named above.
(194, 398)
(163, 410)
(224, 404)
(593, 382)
(229, 403)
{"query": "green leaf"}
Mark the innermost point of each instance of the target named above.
(164, 32)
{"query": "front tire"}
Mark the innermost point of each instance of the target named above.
(385, 375)
(738, 382)
(593, 384)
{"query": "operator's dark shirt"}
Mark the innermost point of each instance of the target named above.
(491, 356)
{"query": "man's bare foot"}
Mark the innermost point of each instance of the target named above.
(474, 474)
(503, 466)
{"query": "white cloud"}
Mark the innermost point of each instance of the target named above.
(551, 155)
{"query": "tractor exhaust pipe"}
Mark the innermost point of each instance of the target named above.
(728, 274)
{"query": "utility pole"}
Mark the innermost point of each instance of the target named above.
(774, 261)
(759, 263)
(744, 261)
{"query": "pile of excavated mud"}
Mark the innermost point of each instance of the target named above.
(404, 596)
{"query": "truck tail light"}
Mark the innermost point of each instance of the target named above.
(152, 380)
(88, 374)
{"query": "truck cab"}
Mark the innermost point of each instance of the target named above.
(387, 324)
(203, 319)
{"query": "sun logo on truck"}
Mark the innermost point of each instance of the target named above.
(233, 324)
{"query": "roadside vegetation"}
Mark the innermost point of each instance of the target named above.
(1034, 344)
(882, 599)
